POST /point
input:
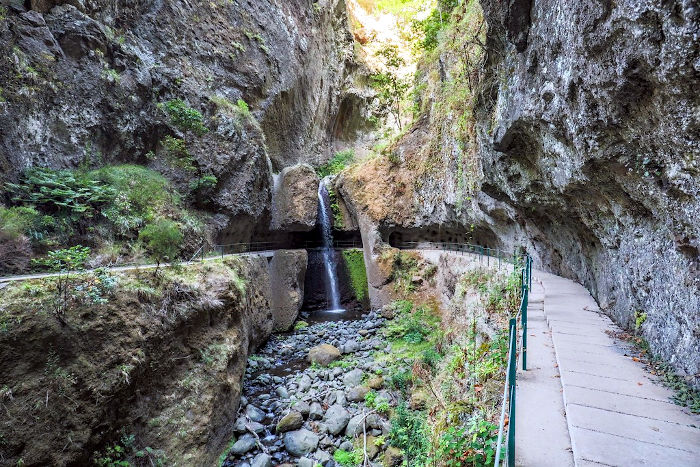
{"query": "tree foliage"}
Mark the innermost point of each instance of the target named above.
(163, 239)
(390, 86)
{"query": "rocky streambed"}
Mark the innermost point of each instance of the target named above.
(297, 413)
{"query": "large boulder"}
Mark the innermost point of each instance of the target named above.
(324, 354)
(287, 273)
(295, 199)
(336, 419)
(292, 421)
(300, 442)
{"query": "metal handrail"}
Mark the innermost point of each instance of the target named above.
(509, 386)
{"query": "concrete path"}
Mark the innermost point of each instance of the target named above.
(615, 413)
(541, 434)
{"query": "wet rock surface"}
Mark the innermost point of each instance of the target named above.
(308, 414)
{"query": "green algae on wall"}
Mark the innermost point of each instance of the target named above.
(355, 263)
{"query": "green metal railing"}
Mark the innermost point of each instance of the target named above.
(509, 386)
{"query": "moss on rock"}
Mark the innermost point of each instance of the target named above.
(355, 263)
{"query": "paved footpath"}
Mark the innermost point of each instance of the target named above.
(615, 413)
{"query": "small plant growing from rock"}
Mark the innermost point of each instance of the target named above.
(163, 239)
(184, 117)
(66, 263)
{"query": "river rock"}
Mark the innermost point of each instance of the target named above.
(244, 444)
(254, 413)
(302, 407)
(393, 457)
(300, 442)
(353, 378)
(357, 394)
(323, 354)
(350, 346)
(376, 382)
(354, 427)
(372, 448)
(291, 421)
(336, 418)
(322, 456)
(304, 383)
(262, 460)
(315, 411)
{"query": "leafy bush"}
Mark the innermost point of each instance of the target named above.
(474, 446)
(72, 193)
(177, 155)
(409, 432)
(435, 22)
(141, 194)
(412, 327)
(204, 183)
(336, 164)
(184, 117)
(64, 262)
(163, 238)
(348, 459)
(19, 220)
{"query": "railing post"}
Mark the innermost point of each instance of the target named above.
(511, 386)
(524, 322)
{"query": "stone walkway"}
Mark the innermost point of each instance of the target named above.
(614, 413)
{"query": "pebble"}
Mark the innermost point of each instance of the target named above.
(278, 395)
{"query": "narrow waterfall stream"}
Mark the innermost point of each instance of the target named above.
(324, 218)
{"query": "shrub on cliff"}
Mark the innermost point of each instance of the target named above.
(163, 239)
(184, 117)
(337, 163)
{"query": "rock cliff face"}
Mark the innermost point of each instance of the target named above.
(594, 138)
(81, 82)
(160, 358)
(584, 148)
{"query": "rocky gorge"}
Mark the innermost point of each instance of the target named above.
(142, 134)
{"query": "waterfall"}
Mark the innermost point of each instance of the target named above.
(324, 218)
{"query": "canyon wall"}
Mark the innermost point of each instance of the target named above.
(591, 132)
(84, 83)
(157, 357)
(574, 132)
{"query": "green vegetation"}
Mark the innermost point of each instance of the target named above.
(335, 209)
(341, 160)
(114, 203)
(163, 238)
(355, 263)
(125, 454)
(450, 370)
(409, 432)
(348, 459)
(390, 86)
(184, 117)
(73, 194)
(65, 262)
(404, 267)
(299, 325)
(475, 445)
(436, 22)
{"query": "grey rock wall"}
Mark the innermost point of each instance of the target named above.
(591, 133)
(287, 274)
(81, 83)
